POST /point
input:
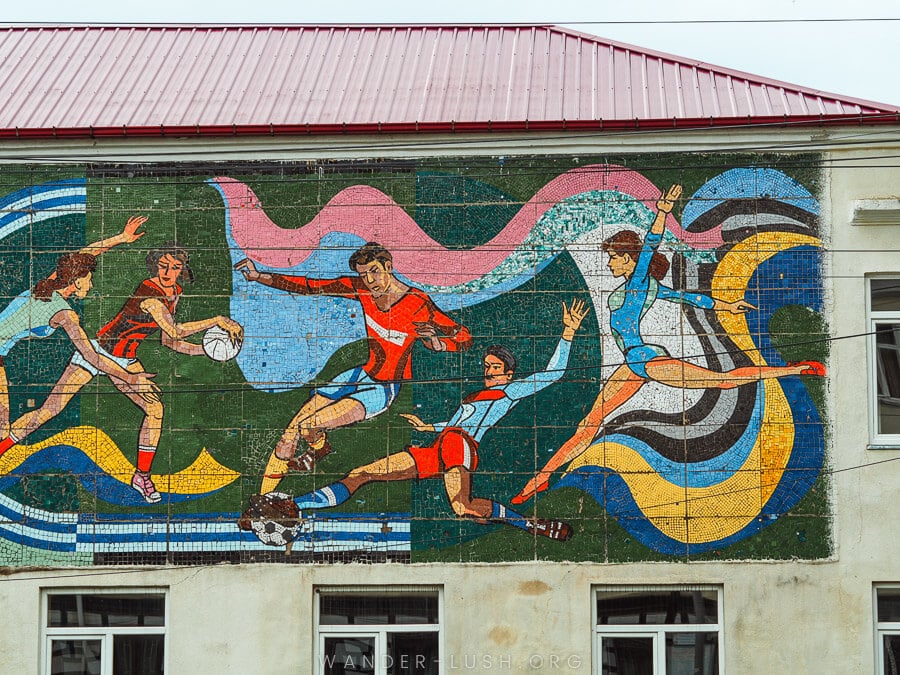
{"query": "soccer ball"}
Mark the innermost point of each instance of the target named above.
(218, 346)
(274, 518)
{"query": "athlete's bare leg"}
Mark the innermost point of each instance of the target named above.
(150, 405)
(317, 415)
(398, 466)
(458, 484)
(619, 388)
(71, 381)
(684, 375)
(624, 384)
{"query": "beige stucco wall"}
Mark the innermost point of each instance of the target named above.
(784, 617)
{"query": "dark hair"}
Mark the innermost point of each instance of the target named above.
(174, 250)
(69, 267)
(502, 353)
(626, 241)
(371, 251)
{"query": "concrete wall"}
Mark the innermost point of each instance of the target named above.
(786, 610)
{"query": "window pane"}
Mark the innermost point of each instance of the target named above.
(105, 610)
(692, 654)
(887, 341)
(889, 604)
(892, 655)
(885, 295)
(75, 657)
(412, 653)
(138, 654)
(369, 610)
(656, 607)
(349, 655)
(627, 655)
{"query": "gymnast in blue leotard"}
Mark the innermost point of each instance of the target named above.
(643, 268)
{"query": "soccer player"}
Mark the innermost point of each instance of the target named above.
(453, 455)
(150, 308)
(397, 316)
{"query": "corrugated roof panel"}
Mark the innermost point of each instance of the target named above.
(332, 76)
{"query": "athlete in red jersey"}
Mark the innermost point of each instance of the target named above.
(148, 310)
(453, 456)
(396, 316)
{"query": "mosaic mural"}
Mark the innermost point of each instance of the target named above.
(477, 359)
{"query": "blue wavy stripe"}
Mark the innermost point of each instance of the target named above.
(790, 277)
(748, 183)
(45, 544)
(96, 481)
(36, 190)
(706, 473)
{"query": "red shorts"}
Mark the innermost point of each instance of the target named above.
(452, 447)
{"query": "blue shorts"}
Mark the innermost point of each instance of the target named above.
(79, 360)
(636, 358)
(375, 397)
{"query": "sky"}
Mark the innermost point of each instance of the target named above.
(852, 58)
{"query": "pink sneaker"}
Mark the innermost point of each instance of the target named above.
(141, 482)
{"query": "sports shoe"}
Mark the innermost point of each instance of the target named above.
(811, 367)
(552, 529)
(141, 482)
(305, 462)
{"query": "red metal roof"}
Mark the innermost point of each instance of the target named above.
(162, 80)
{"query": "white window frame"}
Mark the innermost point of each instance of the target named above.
(878, 440)
(105, 634)
(378, 631)
(655, 631)
(883, 628)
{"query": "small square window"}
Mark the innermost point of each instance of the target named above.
(378, 631)
(884, 360)
(104, 632)
(887, 623)
(658, 631)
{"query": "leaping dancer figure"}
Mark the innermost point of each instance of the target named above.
(643, 269)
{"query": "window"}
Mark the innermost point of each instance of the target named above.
(884, 357)
(887, 618)
(380, 631)
(104, 633)
(674, 630)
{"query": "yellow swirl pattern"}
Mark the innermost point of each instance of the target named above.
(204, 475)
(707, 514)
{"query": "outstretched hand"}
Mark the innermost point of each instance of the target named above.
(129, 232)
(248, 269)
(736, 307)
(417, 423)
(573, 316)
(667, 202)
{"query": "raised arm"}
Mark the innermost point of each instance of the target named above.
(174, 334)
(556, 366)
(128, 235)
(341, 286)
(664, 207)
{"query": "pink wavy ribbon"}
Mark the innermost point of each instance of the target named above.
(373, 216)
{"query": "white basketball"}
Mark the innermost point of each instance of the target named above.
(218, 346)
